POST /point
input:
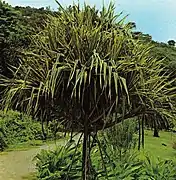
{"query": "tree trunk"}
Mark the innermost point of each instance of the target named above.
(156, 132)
(139, 138)
(43, 130)
(143, 131)
(85, 153)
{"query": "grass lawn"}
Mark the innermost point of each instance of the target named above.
(153, 145)
(25, 146)
(32, 144)
(31, 176)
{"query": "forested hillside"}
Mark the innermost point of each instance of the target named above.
(17, 23)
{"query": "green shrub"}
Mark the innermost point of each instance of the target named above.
(53, 130)
(63, 163)
(158, 170)
(121, 138)
(3, 144)
(18, 128)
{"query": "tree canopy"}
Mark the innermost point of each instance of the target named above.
(88, 66)
(86, 69)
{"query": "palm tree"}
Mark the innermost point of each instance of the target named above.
(84, 69)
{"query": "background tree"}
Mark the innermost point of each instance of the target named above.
(85, 70)
(171, 43)
(166, 53)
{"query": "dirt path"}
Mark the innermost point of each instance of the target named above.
(15, 164)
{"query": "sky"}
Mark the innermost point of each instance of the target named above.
(154, 17)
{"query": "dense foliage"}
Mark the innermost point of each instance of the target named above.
(16, 24)
(163, 51)
(17, 128)
(119, 76)
(9, 31)
(65, 163)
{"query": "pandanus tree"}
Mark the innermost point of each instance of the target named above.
(86, 70)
